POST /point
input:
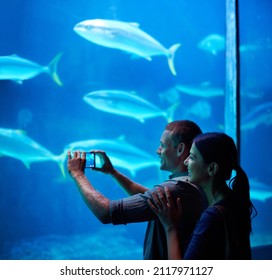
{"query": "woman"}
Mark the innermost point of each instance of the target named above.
(223, 231)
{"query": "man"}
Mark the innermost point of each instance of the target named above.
(175, 144)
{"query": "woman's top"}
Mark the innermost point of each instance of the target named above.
(219, 235)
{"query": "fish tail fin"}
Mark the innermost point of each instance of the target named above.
(52, 66)
(61, 162)
(172, 51)
(171, 110)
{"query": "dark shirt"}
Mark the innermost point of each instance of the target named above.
(218, 235)
(136, 209)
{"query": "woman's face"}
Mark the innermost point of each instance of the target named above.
(197, 168)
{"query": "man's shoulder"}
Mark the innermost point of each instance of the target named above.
(180, 178)
(181, 183)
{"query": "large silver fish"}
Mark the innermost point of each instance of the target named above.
(121, 153)
(18, 69)
(125, 36)
(127, 104)
(16, 144)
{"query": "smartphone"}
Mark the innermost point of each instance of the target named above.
(90, 160)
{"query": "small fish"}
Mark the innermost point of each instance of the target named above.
(260, 191)
(171, 95)
(16, 144)
(203, 90)
(127, 104)
(252, 93)
(213, 43)
(121, 153)
(18, 69)
(125, 36)
(201, 109)
(255, 47)
(262, 114)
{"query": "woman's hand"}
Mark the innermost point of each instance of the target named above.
(165, 208)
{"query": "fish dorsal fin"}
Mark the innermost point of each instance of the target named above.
(134, 24)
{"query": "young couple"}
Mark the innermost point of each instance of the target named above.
(193, 215)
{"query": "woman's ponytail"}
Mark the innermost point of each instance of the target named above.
(241, 192)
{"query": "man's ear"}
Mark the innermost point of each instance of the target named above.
(180, 148)
(213, 168)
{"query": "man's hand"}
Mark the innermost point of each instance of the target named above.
(76, 165)
(106, 165)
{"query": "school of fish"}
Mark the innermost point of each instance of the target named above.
(129, 38)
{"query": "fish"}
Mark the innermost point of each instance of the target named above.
(260, 191)
(171, 95)
(204, 90)
(255, 47)
(18, 69)
(16, 144)
(213, 43)
(201, 109)
(121, 153)
(126, 103)
(125, 36)
(262, 114)
(252, 93)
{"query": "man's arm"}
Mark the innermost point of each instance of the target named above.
(97, 203)
(127, 184)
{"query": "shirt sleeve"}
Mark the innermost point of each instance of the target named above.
(135, 208)
(132, 209)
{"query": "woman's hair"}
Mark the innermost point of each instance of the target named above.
(220, 148)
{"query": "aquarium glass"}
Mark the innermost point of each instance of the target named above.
(60, 91)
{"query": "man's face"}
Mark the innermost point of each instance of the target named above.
(168, 153)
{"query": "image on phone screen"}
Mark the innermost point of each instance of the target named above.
(90, 160)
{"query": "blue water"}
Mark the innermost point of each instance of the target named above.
(42, 213)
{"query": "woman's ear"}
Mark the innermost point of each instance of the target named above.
(213, 168)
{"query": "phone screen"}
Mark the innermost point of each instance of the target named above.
(90, 160)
